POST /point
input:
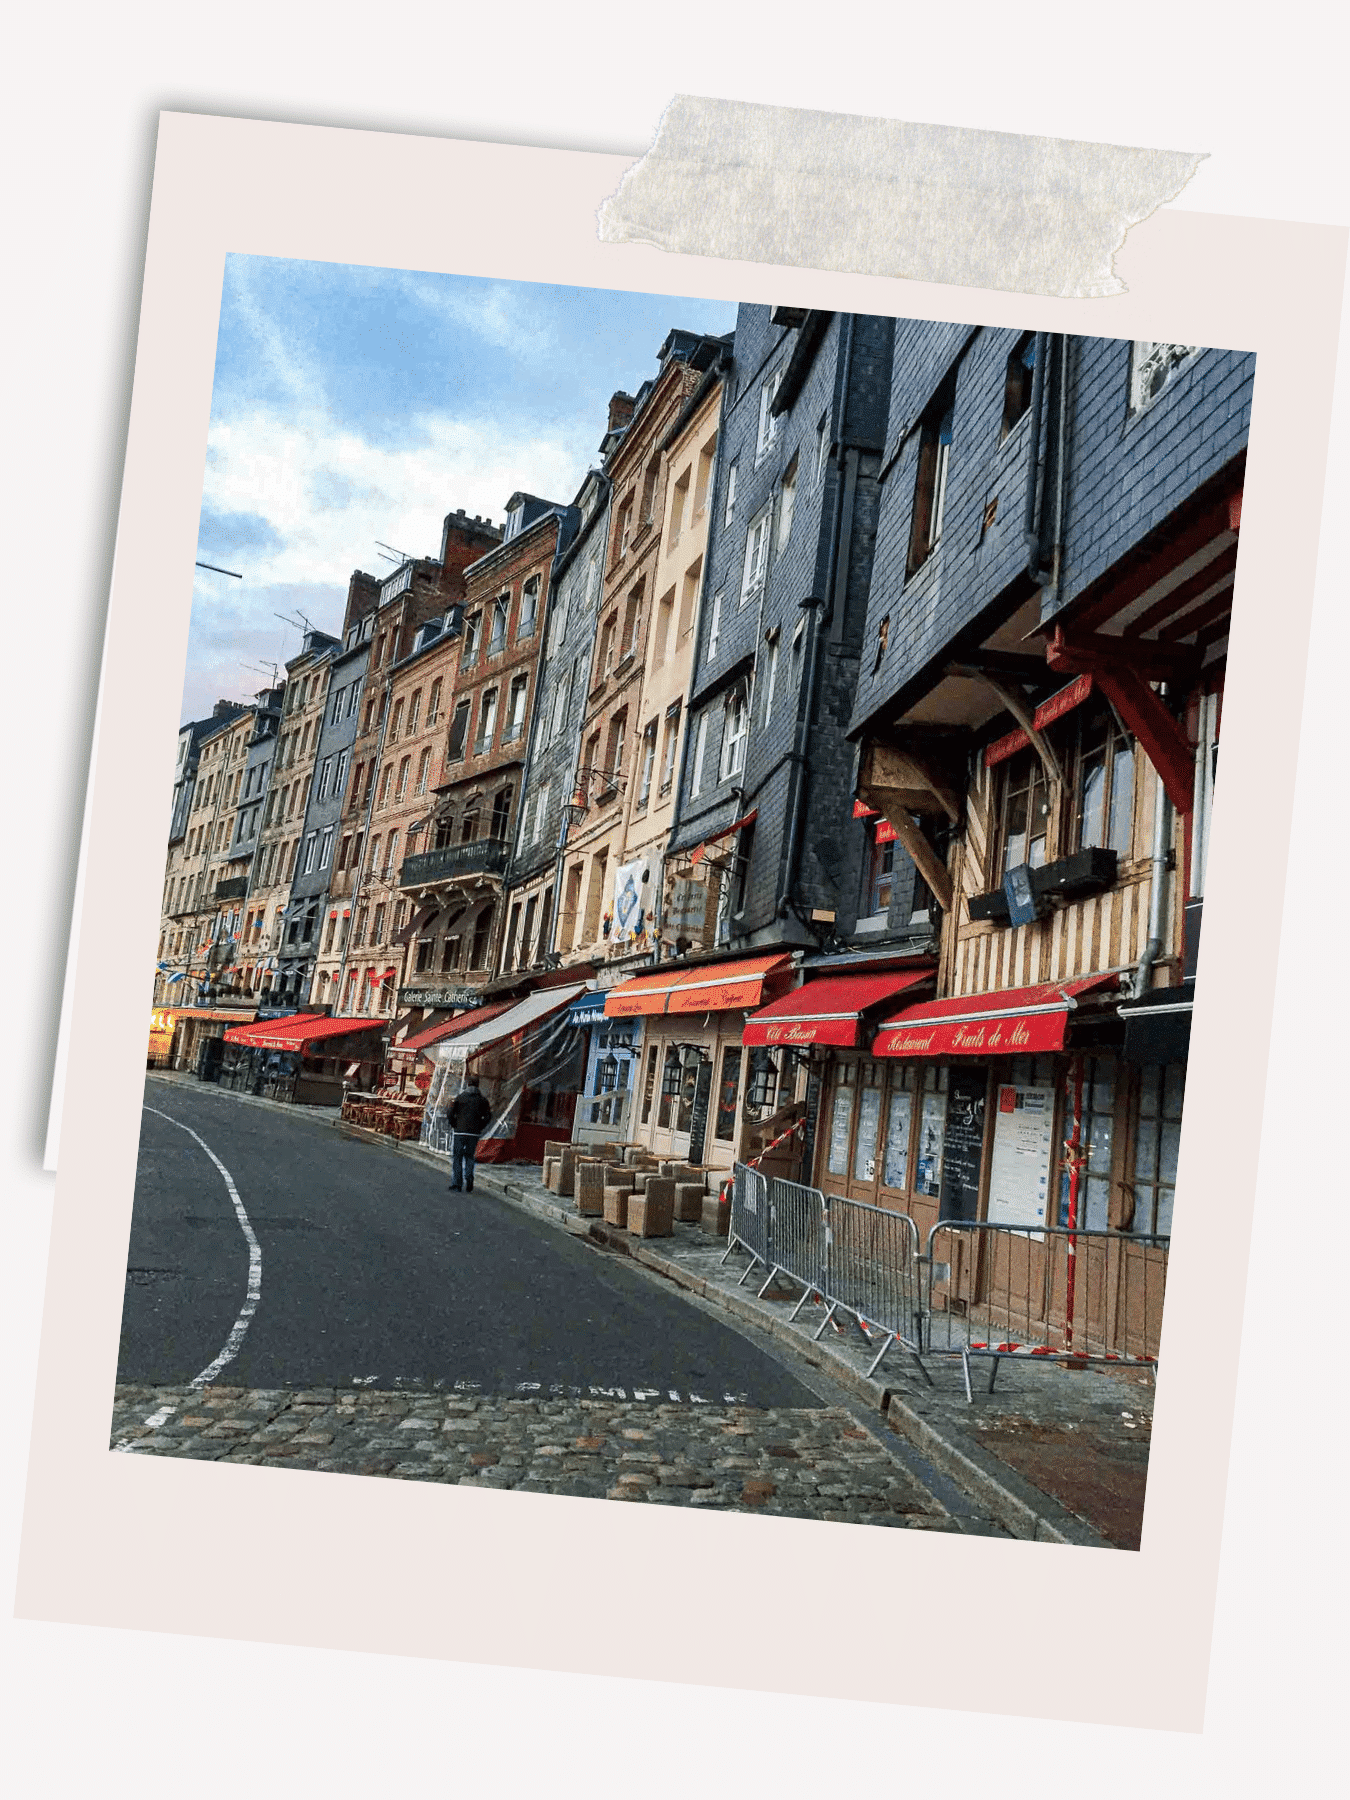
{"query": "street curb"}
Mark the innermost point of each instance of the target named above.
(1021, 1509)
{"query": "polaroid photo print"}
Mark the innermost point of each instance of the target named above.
(663, 824)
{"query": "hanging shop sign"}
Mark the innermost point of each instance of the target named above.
(1046, 714)
(885, 831)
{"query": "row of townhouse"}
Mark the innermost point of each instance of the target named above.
(849, 741)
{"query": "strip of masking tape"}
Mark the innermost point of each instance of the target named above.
(986, 209)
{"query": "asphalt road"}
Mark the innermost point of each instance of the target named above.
(372, 1274)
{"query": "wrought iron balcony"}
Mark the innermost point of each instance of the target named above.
(457, 862)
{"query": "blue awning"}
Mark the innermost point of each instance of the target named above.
(587, 1008)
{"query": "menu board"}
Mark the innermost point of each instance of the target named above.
(698, 1117)
(963, 1145)
(813, 1087)
(1024, 1142)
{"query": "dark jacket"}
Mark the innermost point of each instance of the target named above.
(470, 1111)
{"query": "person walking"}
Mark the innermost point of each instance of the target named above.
(470, 1111)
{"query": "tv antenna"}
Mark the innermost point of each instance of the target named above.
(390, 554)
(269, 669)
(219, 571)
(300, 622)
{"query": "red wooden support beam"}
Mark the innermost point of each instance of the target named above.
(1163, 738)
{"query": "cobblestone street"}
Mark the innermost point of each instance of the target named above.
(808, 1462)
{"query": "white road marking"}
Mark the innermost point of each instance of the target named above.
(230, 1348)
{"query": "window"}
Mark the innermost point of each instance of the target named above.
(1026, 812)
(501, 613)
(786, 503)
(1017, 383)
(728, 1092)
(482, 932)
(595, 897)
(822, 446)
(396, 722)
(734, 734)
(771, 679)
(689, 599)
(618, 732)
(715, 625)
(679, 500)
(649, 490)
(878, 869)
(385, 781)
(649, 1085)
(1152, 366)
(425, 947)
(705, 469)
(648, 762)
(423, 769)
(930, 482)
(326, 847)
(541, 807)
(377, 928)
(459, 731)
(670, 740)
(473, 631)
(487, 722)
(501, 815)
(1156, 1143)
(756, 555)
(353, 696)
(730, 508)
(740, 883)
(468, 830)
(512, 929)
(515, 711)
(768, 420)
(625, 528)
(434, 703)
(404, 770)
(344, 853)
(527, 932)
(378, 657)
(559, 705)
(605, 661)
(632, 620)
(311, 851)
(375, 855)
(451, 951)
(883, 633)
(340, 774)
(700, 747)
(529, 609)
(1103, 799)
(369, 718)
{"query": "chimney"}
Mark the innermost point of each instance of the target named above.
(620, 411)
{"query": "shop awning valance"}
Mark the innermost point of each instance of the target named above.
(299, 1031)
(829, 1011)
(710, 987)
(467, 1021)
(715, 837)
(1158, 1025)
(518, 1015)
(1014, 1022)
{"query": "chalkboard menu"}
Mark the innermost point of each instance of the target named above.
(813, 1087)
(963, 1148)
(698, 1118)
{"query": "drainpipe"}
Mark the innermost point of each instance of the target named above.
(1162, 812)
(1031, 524)
(813, 650)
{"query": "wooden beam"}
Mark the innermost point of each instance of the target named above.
(1216, 521)
(1092, 652)
(1021, 710)
(1182, 595)
(902, 771)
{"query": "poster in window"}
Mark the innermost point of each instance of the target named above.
(840, 1120)
(895, 1167)
(1019, 1173)
(928, 1166)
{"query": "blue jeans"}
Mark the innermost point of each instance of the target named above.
(463, 1145)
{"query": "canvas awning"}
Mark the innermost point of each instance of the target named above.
(299, 1031)
(710, 987)
(1158, 1025)
(715, 837)
(1013, 1022)
(517, 1016)
(830, 1010)
(467, 1021)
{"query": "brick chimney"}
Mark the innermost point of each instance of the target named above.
(620, 411)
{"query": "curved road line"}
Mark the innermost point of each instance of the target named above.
(230, 1348)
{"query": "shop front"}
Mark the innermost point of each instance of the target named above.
(1019, 1109)
(198, 1036)
(163, 1030)
(309, 1059)
(528, 1058)
(613, 1051)
(689, 1103)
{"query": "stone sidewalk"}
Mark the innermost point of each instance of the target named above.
(806, 1462)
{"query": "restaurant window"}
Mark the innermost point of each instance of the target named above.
(869, 1121)
(930, 481)
(1157, 1141)
(932, 1129)
(1017, 382)
(693, 1059)
(763, 1082)
(1097, 1128)
(727, 1092)
(899, 1123)
(649, 1085)
(841, 1118)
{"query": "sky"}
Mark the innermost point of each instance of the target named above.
(354, 407)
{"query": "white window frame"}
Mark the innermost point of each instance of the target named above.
(715, 623)
(731, 493)
(700, 750)
(1146, 359)
(769, 421)
(648, 761)
(734, 734)
(756, 554)
(311, 851)
(326, 847)
(771, 681)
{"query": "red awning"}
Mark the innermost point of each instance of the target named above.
(1014, 1022)
(828, 1011)
(715, 837)
(465, 1022)
(298, 1031)
(711, 987)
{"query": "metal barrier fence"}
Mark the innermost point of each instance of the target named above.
(979, 1290)
(994, 1290)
